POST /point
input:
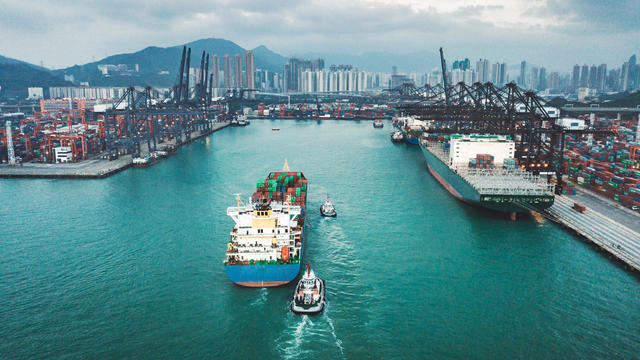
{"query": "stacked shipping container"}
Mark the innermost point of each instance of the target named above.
(605, 168)
(288, 187)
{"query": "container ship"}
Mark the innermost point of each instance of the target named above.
(410, 127)
(481, 170)
(266, 244)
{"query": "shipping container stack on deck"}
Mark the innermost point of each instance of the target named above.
(605, 167)
(482, 161)
(283, 187)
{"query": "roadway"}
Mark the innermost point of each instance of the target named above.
(607, 206)
(610, 235)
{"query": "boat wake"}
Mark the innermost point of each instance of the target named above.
(292, 347)
(333, 330)
(303, 331)
(262, 298)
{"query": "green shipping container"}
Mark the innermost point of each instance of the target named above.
(297, 191)
(612, 184)
(293, 198)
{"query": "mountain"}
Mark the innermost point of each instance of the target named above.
(271, 60)
(381, 61)
(16, 76)
(9, 61)
(158, 66)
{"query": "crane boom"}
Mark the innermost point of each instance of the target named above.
(178, 92)
(445, 83)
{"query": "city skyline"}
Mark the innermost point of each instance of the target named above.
(554, 34)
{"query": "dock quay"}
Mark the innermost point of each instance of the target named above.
(95, 168)
(610, 236)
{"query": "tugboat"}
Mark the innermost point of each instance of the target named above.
(397, 136)
(378, 123)
(239, 120)
(243, 120)
(327, 209)
(309, 297)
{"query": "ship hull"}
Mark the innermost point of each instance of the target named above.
(262, 275)
(463, 191)
(407, 138)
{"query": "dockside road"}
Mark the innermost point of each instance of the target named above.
(608, 234)
(91, 168)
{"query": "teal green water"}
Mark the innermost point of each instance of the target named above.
(131, 266)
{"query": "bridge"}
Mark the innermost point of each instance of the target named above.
(601, 110)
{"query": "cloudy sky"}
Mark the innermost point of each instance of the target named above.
(554, 33)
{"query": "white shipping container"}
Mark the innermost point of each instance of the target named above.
(571, 123)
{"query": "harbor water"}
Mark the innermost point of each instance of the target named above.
(131, 266)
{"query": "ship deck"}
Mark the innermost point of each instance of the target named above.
(498, 181)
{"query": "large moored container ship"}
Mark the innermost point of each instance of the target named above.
(481, 170)
(265, 247)
(410, 127)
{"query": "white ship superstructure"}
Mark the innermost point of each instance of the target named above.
(262, 232)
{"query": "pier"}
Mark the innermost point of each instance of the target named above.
(616, 239)
(95, 168)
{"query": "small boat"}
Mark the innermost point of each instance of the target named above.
(309, 297)
(145, 161)
(397, 136)
(378, 123)
(275, 129)
(240, 120)
(327, 209)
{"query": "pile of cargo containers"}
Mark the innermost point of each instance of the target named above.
(35, 139)
(288, 187)
(482, 161)
(605, 168)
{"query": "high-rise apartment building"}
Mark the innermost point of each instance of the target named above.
(215, 71)
(248, 70)
(482, 70)
(226, 62)
(542, 79)
(601, 78)
(584, 76)
(237, 71)
(575, 77)
(292, 70)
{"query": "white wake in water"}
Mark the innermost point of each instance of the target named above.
(304, 330)
(333, 331)
(262, 298)
(292, 348)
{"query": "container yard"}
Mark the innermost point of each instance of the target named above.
(609, 166)
(98, 164)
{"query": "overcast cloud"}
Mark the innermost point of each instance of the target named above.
(555, 33)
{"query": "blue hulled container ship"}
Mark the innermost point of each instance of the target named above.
(266, 244)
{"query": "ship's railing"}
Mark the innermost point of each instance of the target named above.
(436, 149)
(503, 181)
